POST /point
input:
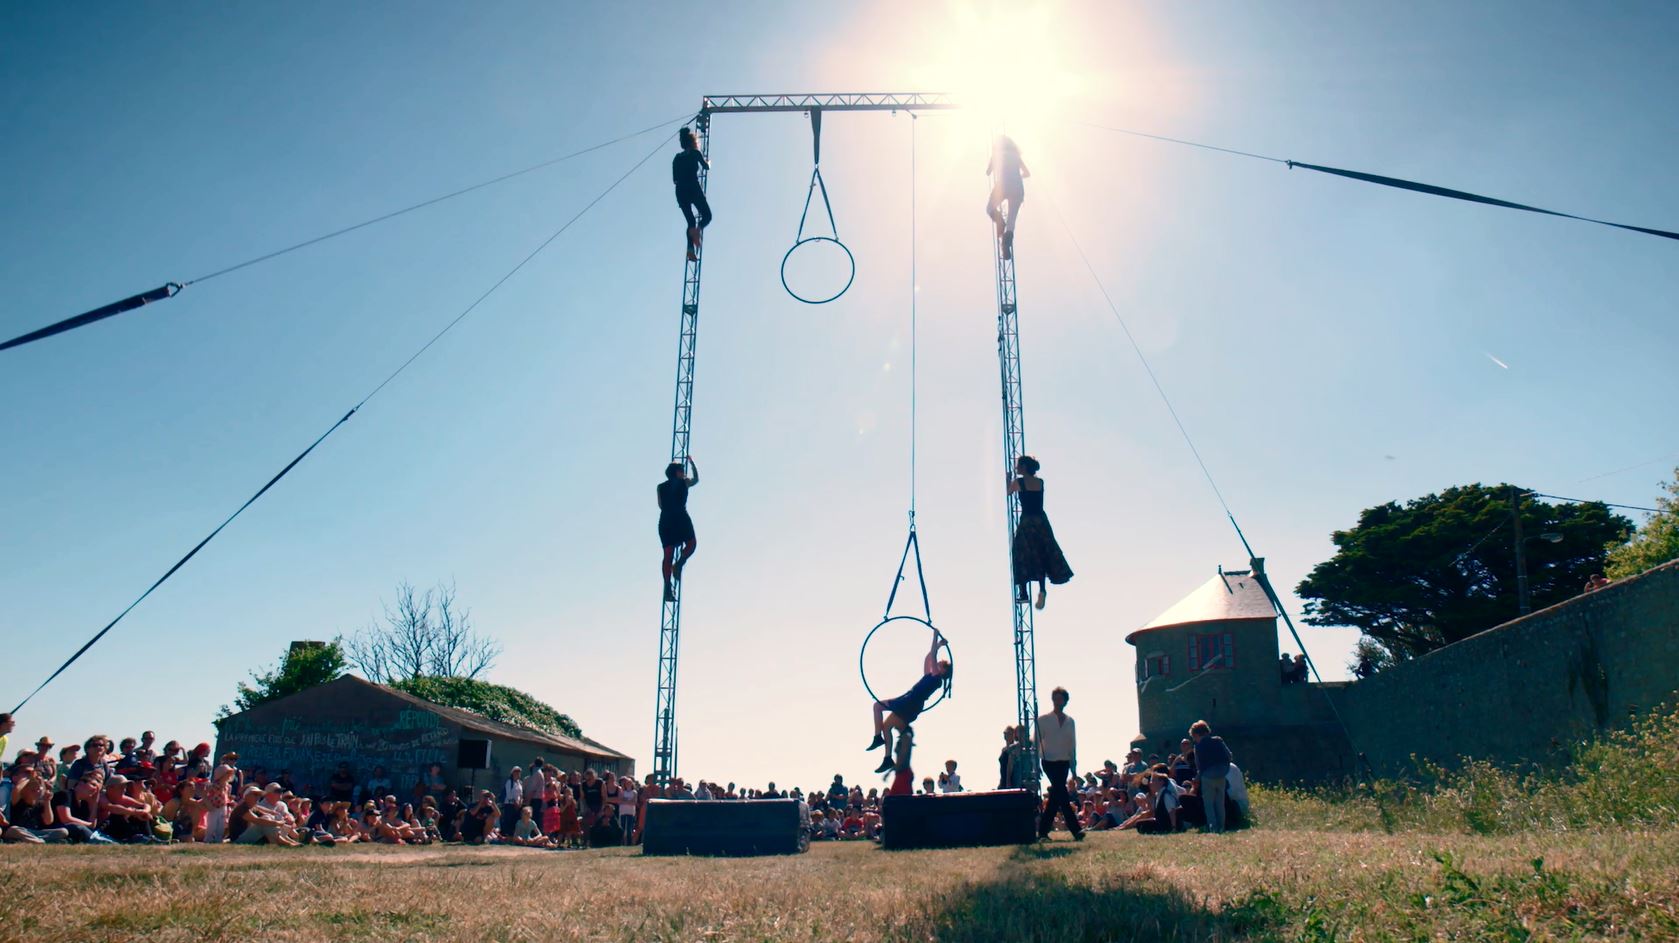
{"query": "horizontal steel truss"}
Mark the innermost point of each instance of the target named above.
(849, 101)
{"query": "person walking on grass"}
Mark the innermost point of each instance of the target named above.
(1058, 749)
(1212, 765)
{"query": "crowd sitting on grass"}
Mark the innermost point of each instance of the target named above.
(135, 792)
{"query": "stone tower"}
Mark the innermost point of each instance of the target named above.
(1213, 656)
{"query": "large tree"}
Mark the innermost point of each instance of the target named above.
(305, 665)
(1655, 543)
(495, 701)
(422, 634)
(1418, 576)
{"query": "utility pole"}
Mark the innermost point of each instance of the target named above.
(1522, 597)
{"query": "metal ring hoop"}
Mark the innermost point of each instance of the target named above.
(849, 258)
(943, 643)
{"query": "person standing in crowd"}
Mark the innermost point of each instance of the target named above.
(1037, 557)
(690, 196)
(512, 797)
(628, 801)
(1212, 765)
(1058, 748)
(7, 725)
(536, 790)
(676, 528)
(1007, 757)
(1007, 172)
(341, 785)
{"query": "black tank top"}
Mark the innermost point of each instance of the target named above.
(1031, 502)
(592, 793)
(673, 496)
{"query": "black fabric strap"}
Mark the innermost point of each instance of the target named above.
(1470, 197)
(97, 314)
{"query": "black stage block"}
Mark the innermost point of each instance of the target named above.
(1002, 817)
(725, 827)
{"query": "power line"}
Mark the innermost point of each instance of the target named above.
(1625, 507)
(172, 289)
(335, 426)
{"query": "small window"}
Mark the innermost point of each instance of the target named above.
(1159, 666)
(1211, 652)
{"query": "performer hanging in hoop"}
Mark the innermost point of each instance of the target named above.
(1006, 170)
(901, 711)
(685, 173)
(1037, 557)
(676, 528)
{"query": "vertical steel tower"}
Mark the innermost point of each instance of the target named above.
(670, 620)
(681, 427)
(1014, 446)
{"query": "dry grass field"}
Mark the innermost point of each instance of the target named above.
(1259, 885)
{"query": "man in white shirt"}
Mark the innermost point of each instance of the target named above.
(535, 788)
(1058, 751)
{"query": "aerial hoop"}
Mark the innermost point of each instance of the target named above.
(944, 643)
(800, 239)
(850, 260)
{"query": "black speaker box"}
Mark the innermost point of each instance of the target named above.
(1002, 817)
(473, 754)
(725, 827)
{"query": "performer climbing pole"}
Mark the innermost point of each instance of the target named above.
(1014, 446)
(682, 415)
(692, 198)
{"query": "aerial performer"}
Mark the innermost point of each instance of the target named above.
(1007, 172)
(676, 528)
(901, 711)
(685, 173)
(1037, 557)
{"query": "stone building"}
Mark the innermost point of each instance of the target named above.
(1213, 656)
(1518, 693)
(366, 724)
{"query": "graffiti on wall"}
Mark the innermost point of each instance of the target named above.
(311, 749)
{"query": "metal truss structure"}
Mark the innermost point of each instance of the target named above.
(1014, 434)
(858, 101)
(681, 429)
(1014, 446)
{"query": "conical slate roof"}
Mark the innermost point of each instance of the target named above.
(1232, 595)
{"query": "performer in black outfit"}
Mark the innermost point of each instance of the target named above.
(676, 528)
(685, 173)
(906, 707)
(1037, 557)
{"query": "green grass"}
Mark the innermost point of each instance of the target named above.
(1257, 885)
(1478, 854)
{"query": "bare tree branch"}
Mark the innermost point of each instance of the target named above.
(422, 634)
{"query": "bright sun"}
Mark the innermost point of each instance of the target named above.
(1007, 65)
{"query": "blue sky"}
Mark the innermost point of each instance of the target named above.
(1330, 345)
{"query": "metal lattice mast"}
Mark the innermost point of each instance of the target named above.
(681, 426)
(1014, 446)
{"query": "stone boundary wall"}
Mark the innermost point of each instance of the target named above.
(1525, 690)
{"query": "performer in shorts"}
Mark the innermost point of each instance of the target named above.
(901, 711)
(676, 528)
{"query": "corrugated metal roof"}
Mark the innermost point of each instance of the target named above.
(1231, 595)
